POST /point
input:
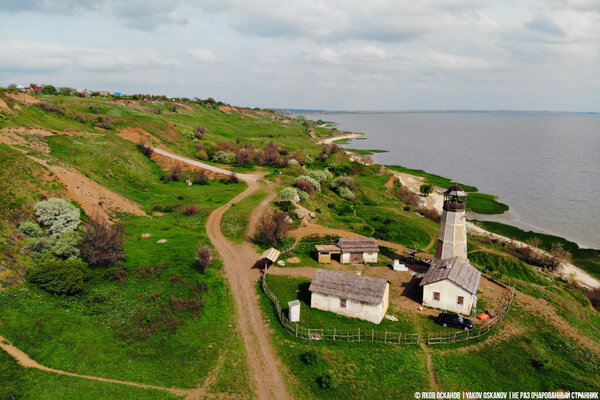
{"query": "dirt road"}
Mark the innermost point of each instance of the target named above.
(238, 259)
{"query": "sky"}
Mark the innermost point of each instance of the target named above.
(333, 55)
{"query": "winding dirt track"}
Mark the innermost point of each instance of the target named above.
(238, 259)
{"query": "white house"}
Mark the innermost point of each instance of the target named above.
(351, 295)
(451, 284)
(358, 250)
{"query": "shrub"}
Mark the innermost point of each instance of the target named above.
(345, 193)
(426, 189)
(175, 174)
(293, 163)
(273, 228)
(199, 132)
(52, 108)
(316, 185)
(40, 244)
(223, 157)
(57, 216)
(102, 245)
(303, 195)
(94, 110)
(344, 181)
(305, 187)
(203, 258)
(594, 296)
(289, 194)
(328, 381)
(321, 175)
(104, 123)
(145, 148)
(243, 158)
(200, 178)
(31, 229)
(158, 110)
(67, 245)
(63, 277)
(190, 209)
(309, 358)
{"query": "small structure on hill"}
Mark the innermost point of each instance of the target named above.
(358, 250)
(351, 295)
(451, 284)
(268, 258)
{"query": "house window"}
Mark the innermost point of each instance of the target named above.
(461, 300)
(436, 296)
(343, 303)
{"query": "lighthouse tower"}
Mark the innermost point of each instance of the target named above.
(452, 240)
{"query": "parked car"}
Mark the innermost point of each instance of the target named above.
(454, 320)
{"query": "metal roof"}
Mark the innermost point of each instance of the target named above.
(349, 286)
(455, 269)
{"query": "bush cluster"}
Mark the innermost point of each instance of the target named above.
(62, 277)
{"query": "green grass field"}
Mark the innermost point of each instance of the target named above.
(234, 223)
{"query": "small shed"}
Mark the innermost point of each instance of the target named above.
(358, 250)
(451, 284)
(269, 257)
(351, 295)
(324, 252)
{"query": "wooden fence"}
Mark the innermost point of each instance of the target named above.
(343, 335)
(459, 336)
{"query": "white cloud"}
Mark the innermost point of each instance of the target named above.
(203, 56)
(44, 56)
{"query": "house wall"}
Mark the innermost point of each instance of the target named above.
(367, 258)
(449, 293)
(324, 256)
(356, 309)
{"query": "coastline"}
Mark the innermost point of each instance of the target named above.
(568, 269)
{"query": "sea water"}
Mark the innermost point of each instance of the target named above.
(545, 166)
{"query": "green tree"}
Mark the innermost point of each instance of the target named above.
(49, 89)
(426, 189)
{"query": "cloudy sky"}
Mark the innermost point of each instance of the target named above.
(330, 54)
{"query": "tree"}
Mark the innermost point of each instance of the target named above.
(273, 228)
(102, 245)
(49, 89)
(426, 189)
(145, 148)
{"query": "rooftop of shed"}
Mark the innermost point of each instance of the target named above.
(349, 286)
(358, 245)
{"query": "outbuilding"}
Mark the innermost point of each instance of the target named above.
(325, 251)
(451, 284)
(358, 250)
(351, 295)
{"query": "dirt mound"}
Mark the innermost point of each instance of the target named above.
(173, 135)
(4, 106)
(25, 98)
(137, 135)
(225, 109)
(24, 137)
(167, 163)
(183, 105)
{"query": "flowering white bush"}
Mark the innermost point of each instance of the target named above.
(57, 216)
(31, 229)
(223, 157)
(289, 194)
(303, 195)
(321, 176)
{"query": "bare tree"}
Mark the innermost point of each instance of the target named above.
(273, 228)
(203, 257)
(102, 244)
(558, 255)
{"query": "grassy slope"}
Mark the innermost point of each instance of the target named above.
(235, 220)
(587, 259)
(102, 332)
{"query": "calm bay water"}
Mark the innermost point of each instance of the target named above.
(545, 166)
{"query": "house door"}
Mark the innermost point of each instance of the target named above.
(356, 257)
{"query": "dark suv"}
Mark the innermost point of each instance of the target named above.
(454, 320)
